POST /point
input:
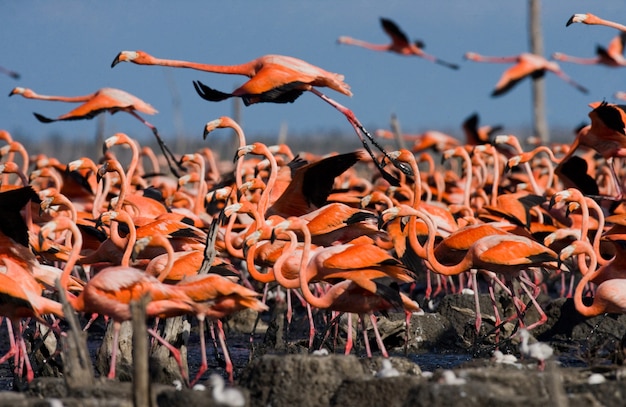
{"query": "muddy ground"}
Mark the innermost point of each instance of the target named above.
(277, 368)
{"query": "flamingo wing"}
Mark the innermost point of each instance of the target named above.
(397, 35)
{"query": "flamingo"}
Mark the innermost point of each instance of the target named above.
(21, 297)
(274, 79)
(112, 289)
(400, 44)
(526, 64)
(474, 134)
(217, 297)
(590, 19)
(606, 135)
(110, 100)
(507, 254)
(613, 56)
(609, 294)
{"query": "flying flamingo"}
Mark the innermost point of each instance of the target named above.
(612, 56)
(103, 100)
(274, 79)
(400, 44)
(591, 19)
(526, 64)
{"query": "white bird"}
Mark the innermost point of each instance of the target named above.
(387, 370)
(500, 357)
(227, 396)
(538, 350)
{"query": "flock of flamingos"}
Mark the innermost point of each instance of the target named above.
(350, 233)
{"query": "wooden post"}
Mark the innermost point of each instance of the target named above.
(78, 367)
(540, 123)
(141, 375)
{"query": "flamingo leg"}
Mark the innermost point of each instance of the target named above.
(203, 364)
(360, 131)
(479, 320)
(379, 339)
(175, 353)
(227, 360)
(116, 334)
(169, 156)
(349, 340)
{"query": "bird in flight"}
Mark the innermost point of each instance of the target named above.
(273, 79)
(591, 19)
(400, 44)
(612, 56)
(103, 100)
(526, 64)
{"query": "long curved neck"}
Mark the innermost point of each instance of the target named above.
(598, 306)
(288, 251)
(129, 242)
(247, 68)
(74, 253)
(364, 44)
(71, 99)
(483, 58)
(431, 258)
(254, 273)
(169, 250)
(577, 60)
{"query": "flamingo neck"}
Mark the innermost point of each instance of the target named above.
(241, 69)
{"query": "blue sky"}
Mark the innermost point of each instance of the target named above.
(65, 47)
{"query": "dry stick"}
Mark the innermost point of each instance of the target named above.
(141, 376)
(209, 250)
(397, 132)
(78, 369)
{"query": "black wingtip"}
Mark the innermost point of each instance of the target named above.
(210, 94)
(42, 118)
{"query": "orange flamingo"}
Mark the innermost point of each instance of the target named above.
(505, 254)
(610, 295)
(591, 19)
(21, 297)
(218, 297)
(606, 134)
(612, 56)
(526, 64)
(400, 44)
(111, 291)
(103, 100)
(363, 297)
(273, 78)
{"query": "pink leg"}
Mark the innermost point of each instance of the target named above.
(349, 341)
(479, 319)
(359, 128)
(368, 351)
(203, 364)
(229, 363)
(379, 340)
(116, 335)
(175, 353)
(12, 346)
(309, 313)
